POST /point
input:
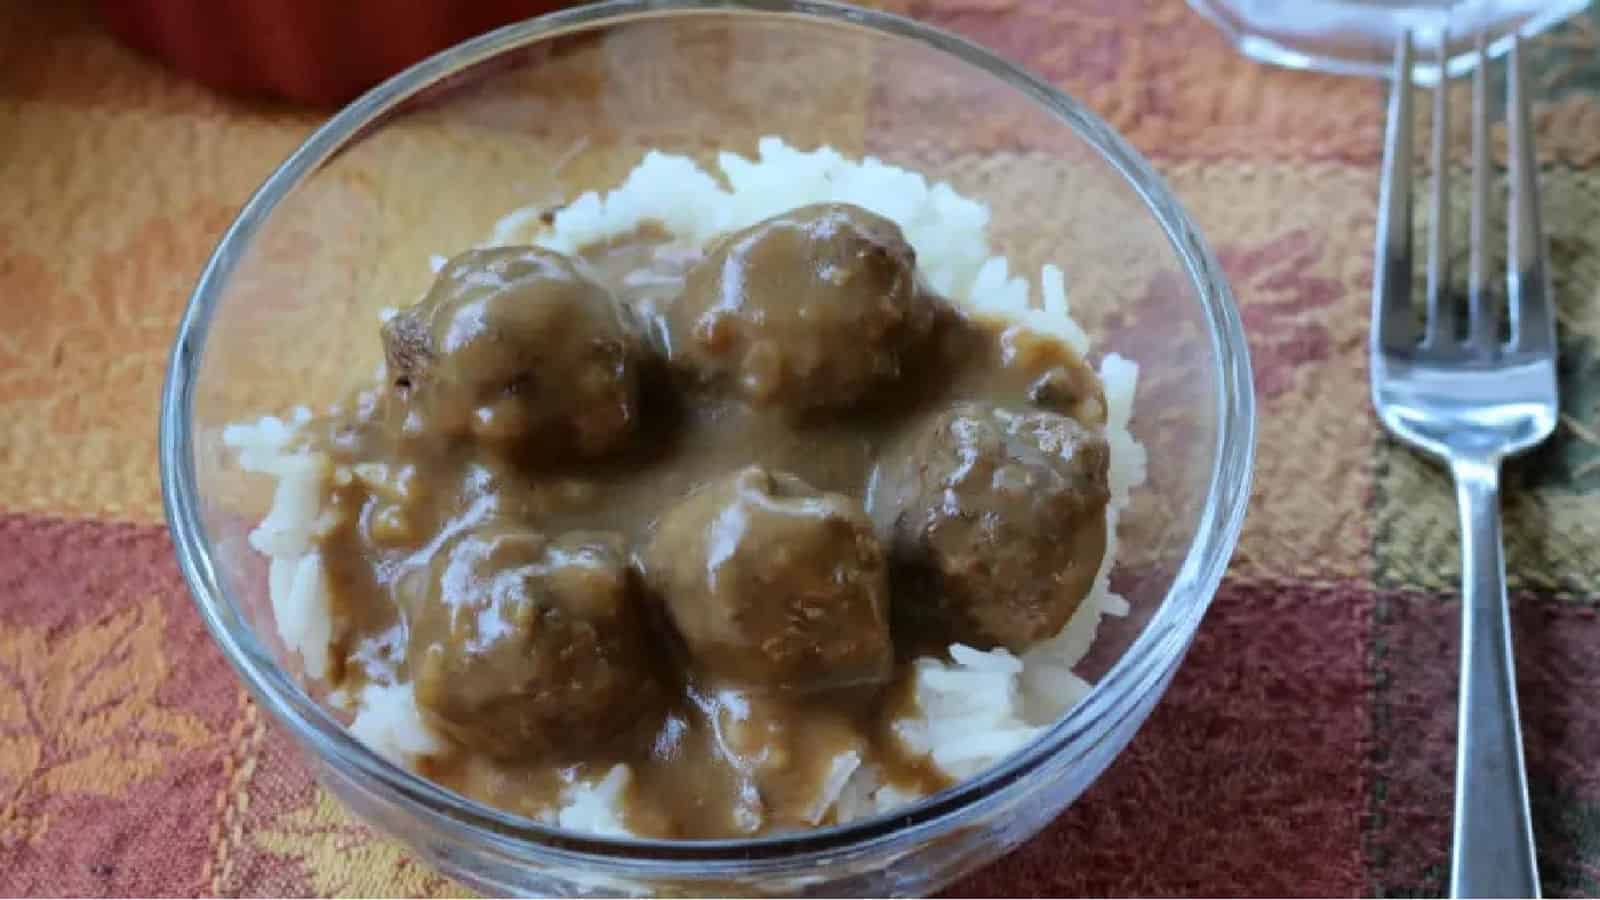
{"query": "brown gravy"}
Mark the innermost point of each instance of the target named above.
(441, 501)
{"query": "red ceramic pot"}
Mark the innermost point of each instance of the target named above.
(318, 52)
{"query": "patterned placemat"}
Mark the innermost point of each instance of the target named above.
(1306, 746)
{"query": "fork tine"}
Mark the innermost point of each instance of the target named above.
(1527, 278)
(1441, 327)
(1392, 318)
(1483, 323)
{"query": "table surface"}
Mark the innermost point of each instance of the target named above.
(1306, 746)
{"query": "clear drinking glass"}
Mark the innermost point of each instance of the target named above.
(285, 314)
(1358, 37)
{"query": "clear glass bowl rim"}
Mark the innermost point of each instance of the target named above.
(1153, 654)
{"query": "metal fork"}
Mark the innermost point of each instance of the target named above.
(1471, 399)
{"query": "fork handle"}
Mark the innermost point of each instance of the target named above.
(1493, 853)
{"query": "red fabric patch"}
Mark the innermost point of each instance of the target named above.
(1415, 658)
(115, 713)
(1248, 778)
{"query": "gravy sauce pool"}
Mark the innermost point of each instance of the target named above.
(711, 755)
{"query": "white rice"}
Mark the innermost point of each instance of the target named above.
(595, 806)
(975, 707)
(388, 721)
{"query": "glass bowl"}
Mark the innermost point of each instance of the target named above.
(1358, 37)
(285, 314)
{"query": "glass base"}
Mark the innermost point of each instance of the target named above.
(1358, 37)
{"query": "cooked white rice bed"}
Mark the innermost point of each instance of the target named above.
(975, 707)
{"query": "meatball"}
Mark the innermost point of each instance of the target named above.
(810, 310)
(522, 646)
(995, 524)
(773, 583)
(519, 346)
